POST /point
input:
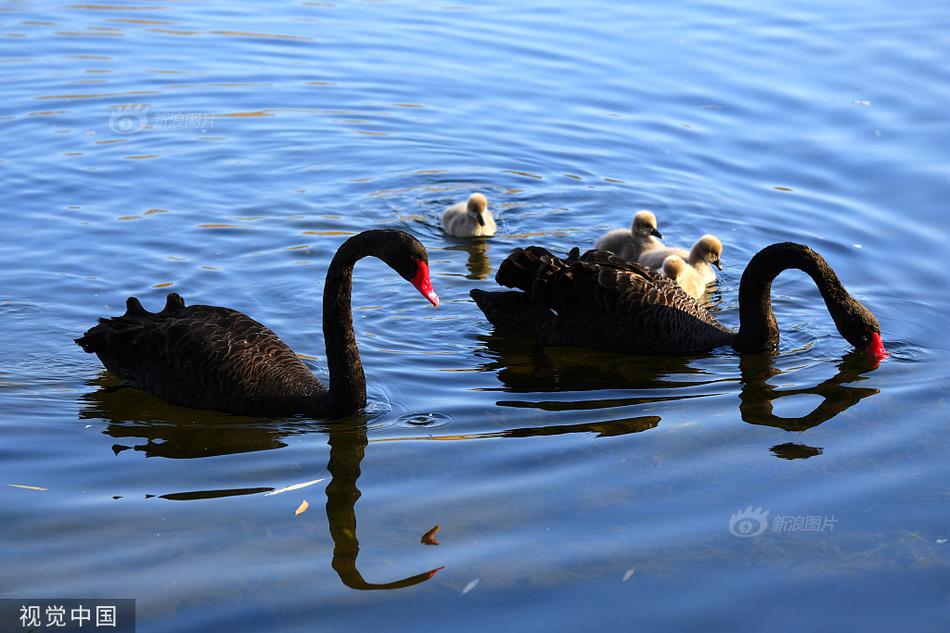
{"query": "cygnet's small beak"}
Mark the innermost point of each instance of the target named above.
(423, 284)
(656, 233)
(717, 264)
(480, 218)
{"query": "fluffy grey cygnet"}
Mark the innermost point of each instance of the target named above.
(631, 243)
(469, 219)
(702, 257)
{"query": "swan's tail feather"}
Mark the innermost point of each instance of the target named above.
(133, 308)
(173, 304)
(523, 266)
(116, 333)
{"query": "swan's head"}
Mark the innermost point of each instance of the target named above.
(860, 328)
(707, 249)
(758, 330)
(673, 266)
(477, 207)
(408, 257)
(644, 224)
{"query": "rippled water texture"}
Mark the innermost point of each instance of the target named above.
(225, 150)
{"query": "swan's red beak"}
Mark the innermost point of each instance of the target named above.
(876, 347)
(424, 285)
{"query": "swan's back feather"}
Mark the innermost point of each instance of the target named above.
(203, 356)
(598, 300)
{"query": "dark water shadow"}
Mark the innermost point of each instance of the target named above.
(609, 428)
(175, 432)
(346, 455)
(172, 431)
(527, 367)
(757, 397)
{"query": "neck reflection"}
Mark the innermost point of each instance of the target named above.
(757, 397)
(527, 368)
(346, 454)
(176, 432)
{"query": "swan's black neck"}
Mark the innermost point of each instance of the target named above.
(758, 331)
(347, 381)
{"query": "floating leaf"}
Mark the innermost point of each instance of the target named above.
(293, 487)
(470, 586)
(301, 508)
(429, 537)
(25, 487)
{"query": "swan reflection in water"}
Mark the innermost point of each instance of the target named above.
(531, 368)
(182, 433)
(758, 397)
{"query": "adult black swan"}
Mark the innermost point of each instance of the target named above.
(217, 358)
(599, 300)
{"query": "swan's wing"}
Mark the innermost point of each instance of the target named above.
(597, 283)
(598, 300)
(201, 356)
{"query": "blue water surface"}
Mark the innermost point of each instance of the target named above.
(225, 150)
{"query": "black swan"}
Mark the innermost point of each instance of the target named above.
(601, 301)
(217, 358)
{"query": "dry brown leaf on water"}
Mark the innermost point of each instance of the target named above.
(429, 537)
(301, 508)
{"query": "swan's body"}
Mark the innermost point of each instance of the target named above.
(704, 254)
(470, 218)
(217, 358)
(630, 244)
(688, 278)
(601, 301)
